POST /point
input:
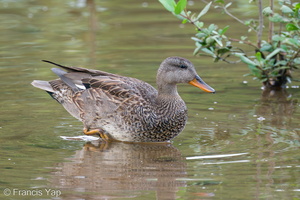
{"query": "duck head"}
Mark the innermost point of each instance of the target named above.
(175, 70)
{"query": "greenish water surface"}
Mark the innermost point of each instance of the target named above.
(240, 143)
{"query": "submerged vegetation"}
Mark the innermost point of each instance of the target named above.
(274, 55)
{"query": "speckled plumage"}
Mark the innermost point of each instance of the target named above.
(127, 109)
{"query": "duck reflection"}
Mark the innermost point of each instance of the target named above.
(120, 170)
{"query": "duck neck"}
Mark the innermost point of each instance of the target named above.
(168, 91)
(169, 102)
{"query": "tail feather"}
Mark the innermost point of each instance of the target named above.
(53, 63)
(44, 85)
(61, 73)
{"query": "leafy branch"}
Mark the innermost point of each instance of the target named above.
(272, 60)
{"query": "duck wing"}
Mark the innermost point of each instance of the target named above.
(121, 88)
(114, 100)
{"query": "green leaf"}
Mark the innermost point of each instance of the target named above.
(224, 30)
(201, 35)
(297, 7)
(222, 51)
(267, 11)
(283, 62)
(248, 22)
(255, 71)
(277, 69)
(180, 6)
(219, 1)
(284, 47)
(206, 50)
(198, 47)
(297, 61)
(277, 38)
(184, 21)
(210, 41)
(244, 38)
(216, 38)
(204, 11)
(277, 18)
(286, 9)
(247, 74)
(280, 63)
(244, 59)
(292, 41)
(263, 80)
(266, 47)
(291, 27)
(276, 51)
(199, 24)
(227, 5)
(196, 39)
(211, 28)
(168, 4)
(258, 56)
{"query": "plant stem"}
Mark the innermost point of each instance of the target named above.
(279, 32)
(243, 41)
(237, 19)
(190, 20)
(231, 15)
(271, 24)
(261, 24)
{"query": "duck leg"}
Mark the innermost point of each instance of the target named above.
(103, 134)
(91, 132)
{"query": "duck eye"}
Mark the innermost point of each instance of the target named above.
(183, 66)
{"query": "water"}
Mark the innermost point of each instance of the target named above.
(240, 143)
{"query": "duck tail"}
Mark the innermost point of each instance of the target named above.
(44, 85)
(53, 63)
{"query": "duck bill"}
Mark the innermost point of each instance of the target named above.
(199, 83)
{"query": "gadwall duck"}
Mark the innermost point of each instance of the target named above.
(122, 108)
